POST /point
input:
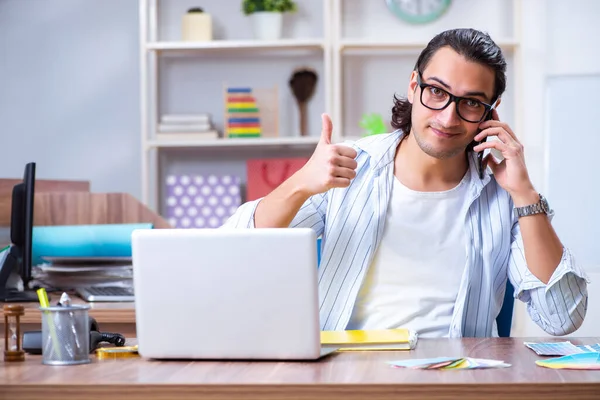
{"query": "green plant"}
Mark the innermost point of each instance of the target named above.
(373, 124)
(252, 6)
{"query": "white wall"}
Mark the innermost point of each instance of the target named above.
(69, 91)
(560, 41)
(573, 30)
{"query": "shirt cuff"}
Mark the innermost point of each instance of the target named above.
(244, 216)
(567, 265)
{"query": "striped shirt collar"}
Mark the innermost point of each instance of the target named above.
(382, 149)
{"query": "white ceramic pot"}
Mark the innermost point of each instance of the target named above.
(267, 25)
(196, 27)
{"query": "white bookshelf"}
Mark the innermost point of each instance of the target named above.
(234, 142)
(362, 53)
(290, 44)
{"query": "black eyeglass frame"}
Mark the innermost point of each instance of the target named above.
(453, 99)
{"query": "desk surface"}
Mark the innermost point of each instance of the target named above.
(108, 312)
(348, 375)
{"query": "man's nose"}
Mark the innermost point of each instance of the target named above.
(449, 115)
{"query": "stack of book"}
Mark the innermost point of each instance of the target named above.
(186, 127)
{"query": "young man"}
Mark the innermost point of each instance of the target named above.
(415, 232)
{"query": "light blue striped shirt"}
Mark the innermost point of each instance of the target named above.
(351, 222)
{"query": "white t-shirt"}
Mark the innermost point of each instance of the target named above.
(414, 278)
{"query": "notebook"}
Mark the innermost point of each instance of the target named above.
(361, 340)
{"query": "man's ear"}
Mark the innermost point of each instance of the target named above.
(412, 87)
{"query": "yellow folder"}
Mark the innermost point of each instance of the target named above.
(361, 340)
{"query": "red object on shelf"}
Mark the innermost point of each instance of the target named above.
(264, 175)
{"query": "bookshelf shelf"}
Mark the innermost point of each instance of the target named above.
(363, 54)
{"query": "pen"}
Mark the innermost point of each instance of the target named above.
(65, 301)
(43, 297)
(44, 303)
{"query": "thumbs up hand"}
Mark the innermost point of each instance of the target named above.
(330, 166)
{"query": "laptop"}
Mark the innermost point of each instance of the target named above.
(246, 294)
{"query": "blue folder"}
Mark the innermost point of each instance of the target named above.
(109, 240)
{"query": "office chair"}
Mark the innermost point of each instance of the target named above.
(504, 318)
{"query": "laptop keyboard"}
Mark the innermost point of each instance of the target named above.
(109, 291)
(106, 293)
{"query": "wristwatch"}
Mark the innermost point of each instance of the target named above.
(532, 209)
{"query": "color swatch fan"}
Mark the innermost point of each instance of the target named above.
(242, 113)
(588, 360)
(449, 363)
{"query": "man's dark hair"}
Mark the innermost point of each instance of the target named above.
(473, 45)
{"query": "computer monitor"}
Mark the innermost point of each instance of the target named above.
(19, 256)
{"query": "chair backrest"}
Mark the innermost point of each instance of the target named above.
(504, 319)
(318, 251)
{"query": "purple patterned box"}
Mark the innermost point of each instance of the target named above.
(196, 201)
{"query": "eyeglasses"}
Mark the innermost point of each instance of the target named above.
(434, 98)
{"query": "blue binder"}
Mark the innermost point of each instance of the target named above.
(109, 240)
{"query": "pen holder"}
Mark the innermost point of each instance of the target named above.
(65, 335)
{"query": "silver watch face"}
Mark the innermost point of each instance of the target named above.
(544, 204)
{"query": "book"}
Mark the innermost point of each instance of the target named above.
(203, 118)
(360, 340)
(188, 136)
(184, 128)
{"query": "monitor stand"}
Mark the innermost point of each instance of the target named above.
(17, 296)
(13, 295)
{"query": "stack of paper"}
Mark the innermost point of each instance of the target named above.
(589, 360)
(186, 126)
(66, 273)
(449, 363)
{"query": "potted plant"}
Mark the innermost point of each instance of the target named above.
(267, 16)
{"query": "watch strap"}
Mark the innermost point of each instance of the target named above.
(541, 207)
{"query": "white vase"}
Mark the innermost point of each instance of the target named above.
(267, 25)
(196, 27)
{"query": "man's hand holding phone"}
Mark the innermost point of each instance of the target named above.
(511, 173)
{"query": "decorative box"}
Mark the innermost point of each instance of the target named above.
(201, 201)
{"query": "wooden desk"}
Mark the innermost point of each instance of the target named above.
(347, 376)
(111, 317)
